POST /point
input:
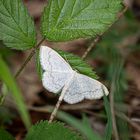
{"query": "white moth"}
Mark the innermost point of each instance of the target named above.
(58, 76)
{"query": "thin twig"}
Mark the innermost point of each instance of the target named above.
(116, 135)
(119, 64)
(53, 114)
(112, 94)
(97, 39)
(123, 11)
(125, 118)
(28, 58)
(93, 44)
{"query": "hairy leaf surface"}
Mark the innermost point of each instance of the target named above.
(78, 64)
(65, 20)
(16, 26)
(51, 131)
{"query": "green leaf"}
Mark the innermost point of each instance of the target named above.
(78, 64)
(64, 20)
(51, 131)
(108, 130)
(4, 135)
(16, 26)
(8, 79)
(83, 126)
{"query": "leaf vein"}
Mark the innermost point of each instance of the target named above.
(13, 19)
(58, 18)
(73, 8)
(81, 10)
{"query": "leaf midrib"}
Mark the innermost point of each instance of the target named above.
(81, 10)
(11, 29)
(73, 19)
(57, 21)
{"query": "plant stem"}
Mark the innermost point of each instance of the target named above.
(92, 45)
(116, 135)
(28, 58)
(53, 114)
(125, 118)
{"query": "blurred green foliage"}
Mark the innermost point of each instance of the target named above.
(6, 116)
(51, 131)
(7, 78)
(112, 53)
(4, 135)
(83, 125)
